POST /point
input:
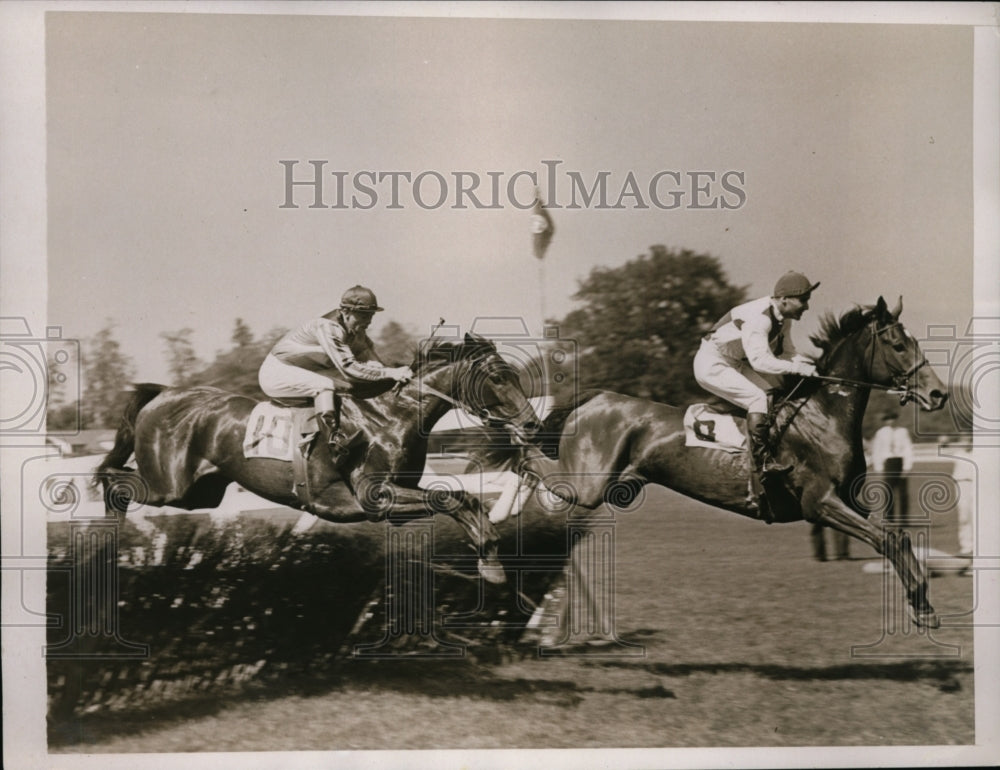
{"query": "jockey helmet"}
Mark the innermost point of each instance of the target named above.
(360, 299)
(793, 284)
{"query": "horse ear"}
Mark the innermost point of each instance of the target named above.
(899, 308)
(880, 307)
(476, 340)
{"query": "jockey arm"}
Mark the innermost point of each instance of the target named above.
(758, 351)
(364, 366)
(367, 353)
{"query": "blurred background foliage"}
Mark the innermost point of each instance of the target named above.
(635, 330)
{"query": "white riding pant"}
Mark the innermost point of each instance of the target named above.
(281, 380)
(736, 381)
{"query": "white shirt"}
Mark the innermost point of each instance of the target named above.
(743, 336)
(891, 442)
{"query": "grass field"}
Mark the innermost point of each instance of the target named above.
(748, 641)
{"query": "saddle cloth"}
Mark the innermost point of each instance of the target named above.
(275, 432)
(705, 428)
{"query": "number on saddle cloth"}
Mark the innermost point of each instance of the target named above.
(706, 426)
(276, 432)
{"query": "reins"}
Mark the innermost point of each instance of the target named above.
(900, 379)
(891, 389)
(899, 387)
(482, 413)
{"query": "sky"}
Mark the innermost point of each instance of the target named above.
(850, 145)
(141, 149)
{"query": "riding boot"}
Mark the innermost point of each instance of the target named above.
(758, 428)
(328, 416)
(338, 443)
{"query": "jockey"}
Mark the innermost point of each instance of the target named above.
(329, 355)
(744, 353)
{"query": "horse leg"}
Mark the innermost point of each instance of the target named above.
(381, 498)
(377, 499)
(894, 545)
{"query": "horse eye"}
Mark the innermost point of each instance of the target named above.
(899, 347)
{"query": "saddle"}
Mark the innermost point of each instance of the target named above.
(284, 429)
(718, 424)
(715, 425)
(275, 432)
(717, 405)
(300, 402)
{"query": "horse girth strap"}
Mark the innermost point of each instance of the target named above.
(300, 470)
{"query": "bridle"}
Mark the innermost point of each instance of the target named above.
(900, 378)
(901, 385)
(493, 363)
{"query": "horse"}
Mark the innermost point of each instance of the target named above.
(605, 447)
(188, 447)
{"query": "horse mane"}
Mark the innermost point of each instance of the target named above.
(833, 330)
(436, 353)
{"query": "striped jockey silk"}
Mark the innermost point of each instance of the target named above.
(773, 335)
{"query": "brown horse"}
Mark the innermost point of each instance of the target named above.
(605, 447)
(188, 447)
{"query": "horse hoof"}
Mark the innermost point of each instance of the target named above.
(927, 619)
(492, 571)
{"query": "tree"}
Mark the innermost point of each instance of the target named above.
(60, 367)
(56, 390)
(181, 358)
(107, 372)
(641, 324)
(242, 336)
(236, 369)
(395, 344)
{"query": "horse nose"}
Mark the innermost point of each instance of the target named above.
(939, 398)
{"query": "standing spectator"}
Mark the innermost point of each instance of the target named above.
(964, 475)
(841, 543)
(892, 458)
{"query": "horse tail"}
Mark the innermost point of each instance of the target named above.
(125, 436)
(501, 453)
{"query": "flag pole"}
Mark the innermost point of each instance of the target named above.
(541, 294)
(517, 491)
(542, 229)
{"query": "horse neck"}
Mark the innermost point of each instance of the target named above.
(846, 404)
(432, 406)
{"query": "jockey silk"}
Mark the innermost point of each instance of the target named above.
(319, 355)
(754, 332)
(739, 357)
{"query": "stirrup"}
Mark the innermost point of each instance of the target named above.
(756, 501)
(774, 468)
(340, 445)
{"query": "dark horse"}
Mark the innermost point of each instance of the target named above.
(188, 446)
(606, 446)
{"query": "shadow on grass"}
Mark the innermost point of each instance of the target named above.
(944, 674)
(464, 678)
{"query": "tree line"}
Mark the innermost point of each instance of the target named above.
(107, 371)
(635, 330)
